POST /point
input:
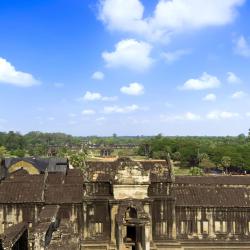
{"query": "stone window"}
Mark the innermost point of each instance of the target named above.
(99, 228)
(205, 227)
(161, 228)
(217, 226)
(96, 228)
(187, 227)
(220, 226)
(91, 211)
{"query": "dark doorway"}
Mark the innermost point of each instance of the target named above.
(131, 234)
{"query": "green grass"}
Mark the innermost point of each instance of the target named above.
(181, 171)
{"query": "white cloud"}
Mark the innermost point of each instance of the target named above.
(98, 75)
(188, 116)
(217, 115)
(88, 112)
(242, 47)
(248, 114)
(130, 54)
(122, 110)
(238, 95)
(205, 81)
(91, 96)
(9, 75)
(191, 116)
(232, 78)
(133, 89)
(175, 55)
(169, 16)
(210, 97)
(51, 118)
(123, 15)
(95, 96)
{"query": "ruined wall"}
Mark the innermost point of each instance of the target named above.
(11, 214)
(97, 221)
(212, 223)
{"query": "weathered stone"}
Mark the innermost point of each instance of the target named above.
(124, 204)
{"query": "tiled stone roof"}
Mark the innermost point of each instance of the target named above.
(213, 180)
(212, 196)
(51, 188)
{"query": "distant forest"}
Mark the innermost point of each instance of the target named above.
(226, 153)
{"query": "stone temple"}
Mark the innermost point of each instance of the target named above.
(121, 204)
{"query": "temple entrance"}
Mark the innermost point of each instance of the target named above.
(133, 239)
(131, 234)
(132, 227)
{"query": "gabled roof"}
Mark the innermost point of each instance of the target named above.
(22, 188)
(66, 193)
(51, 188)
(42, 164)
(210, 196)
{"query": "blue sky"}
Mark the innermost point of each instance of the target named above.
(131, 67)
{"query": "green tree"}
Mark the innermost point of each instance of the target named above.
(18, 152)
(176, 156)
(78, 160)
(195, 171)
(3, 152)
(226, 162)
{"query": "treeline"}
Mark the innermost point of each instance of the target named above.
(39, 144)
(225, 153)
(203, 152)
(35, 143)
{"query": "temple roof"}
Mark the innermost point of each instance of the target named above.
(42, 164)
(107, 170)
(22, 188)
(50, 188)
(211, 196)
(213, 180)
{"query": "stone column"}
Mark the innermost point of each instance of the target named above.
(173, 221)
(85, 231)
(210, 224)
(114, 210)
(147, 210)
(147, 236)
(120, 237)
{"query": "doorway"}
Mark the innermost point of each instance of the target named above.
(131, 234)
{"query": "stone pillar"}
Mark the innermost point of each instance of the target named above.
(85, 231)
(210, 224)
(147, 236)
(147, 210)
(173, 221)
(114, 210)
(120, 237)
